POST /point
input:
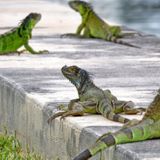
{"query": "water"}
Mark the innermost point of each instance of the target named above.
(142, 15)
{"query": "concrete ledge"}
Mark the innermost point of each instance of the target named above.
(63, 139)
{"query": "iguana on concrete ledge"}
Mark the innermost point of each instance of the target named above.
(93, 99)
(147, 128)
(94, 26)
(11, 41)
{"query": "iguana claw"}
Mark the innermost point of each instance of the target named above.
(55, 116)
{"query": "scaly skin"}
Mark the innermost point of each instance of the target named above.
(11, 41)
(94, 27)
(147, 128)
(93, 99)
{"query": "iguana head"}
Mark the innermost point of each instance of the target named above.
(77, 76)
(80, 6)
(31, 20)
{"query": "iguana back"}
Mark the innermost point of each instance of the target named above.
(10, 41)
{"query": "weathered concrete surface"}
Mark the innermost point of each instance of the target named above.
(32, 85)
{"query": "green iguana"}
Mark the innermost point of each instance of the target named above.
(147, 128)
(93, 99)
(94, 27)
(12, 40)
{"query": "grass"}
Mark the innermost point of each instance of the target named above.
(11, 149)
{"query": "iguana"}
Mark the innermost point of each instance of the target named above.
(93, 99)
(12, 40)
(94, 27)
(147, 128)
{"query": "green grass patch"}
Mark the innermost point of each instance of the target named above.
(11, 149)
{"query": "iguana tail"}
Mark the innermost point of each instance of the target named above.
(118, 41)
(104, 109)
(144, 130)
(115, 117)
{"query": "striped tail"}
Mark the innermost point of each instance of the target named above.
(116, 117)
(138, 132)
(105, 110)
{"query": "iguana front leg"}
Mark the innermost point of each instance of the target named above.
(86, 33)
(63, 110)
(80, 28)
(31, 50)
(76, 108)
(55, 116)
(79, 108)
